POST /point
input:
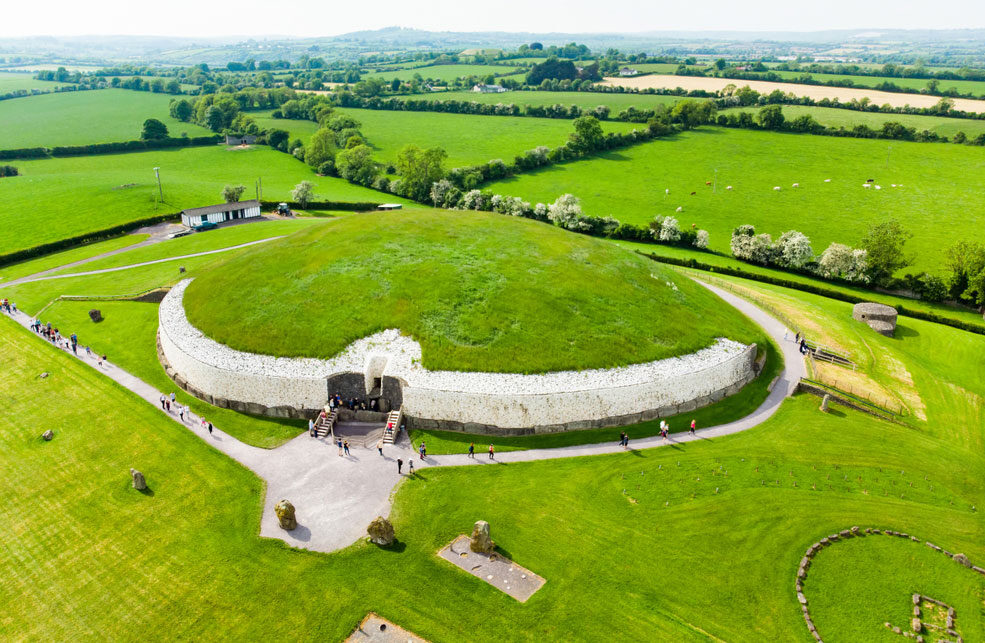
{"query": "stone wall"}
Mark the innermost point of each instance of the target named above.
(501, 403)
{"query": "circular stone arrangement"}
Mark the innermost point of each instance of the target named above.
(880, 317)
(466, 321)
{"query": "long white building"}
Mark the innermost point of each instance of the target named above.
(220, 213)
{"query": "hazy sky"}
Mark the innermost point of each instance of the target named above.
(328, 17)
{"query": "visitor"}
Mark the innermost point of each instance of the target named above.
(691, 430)
(311, 427)
(472, 450)
(625, 440)
(345, 446)
(622, 439)
(423, 450)
(410, 468)
(400, 464)
(492, 452)
(338, 441)
(99, 361)
(181, 413)
(162, 402)
(210, 428)
(173, 397)
(379, 446)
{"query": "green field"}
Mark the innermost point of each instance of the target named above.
(591, 526)
(616, 102)
(467, 287)
(974, 87)
(849, 118)
(90, 192)
(445, 73)
(83, 118)
(629, 185)
(12, 81)
(49, 262)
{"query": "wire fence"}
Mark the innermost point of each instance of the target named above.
(856, 394)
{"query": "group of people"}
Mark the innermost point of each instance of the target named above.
(7, 307)
(169, 404)
(53, 335)
(803, 346)
(352, 403)
(664, 432)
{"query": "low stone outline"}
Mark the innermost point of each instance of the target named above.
(856, 532)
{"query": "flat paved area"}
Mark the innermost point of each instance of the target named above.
(336, 497)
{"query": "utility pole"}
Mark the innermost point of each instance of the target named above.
(887, 156)
(160, 190)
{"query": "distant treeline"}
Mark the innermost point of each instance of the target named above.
(107, 148)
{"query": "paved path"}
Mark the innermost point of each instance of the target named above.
(43, 276)
(336, 497)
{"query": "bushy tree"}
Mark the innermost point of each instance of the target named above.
(321, 147)
(232, 194)
(303, 193)
(741, 241)
(277, 139)
(565, 211)
(356, 165)
(701, 239)
(666, 229)
(965, 262)
(588, 135)
(691, 113)
(153, 130)
(884, 244)
(439, 190)
(771, 117)
(181, 110)
(840, 261)
(793, 249)
(420, 169)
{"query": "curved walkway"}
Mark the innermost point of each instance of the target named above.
(43, 276)
(337, 497)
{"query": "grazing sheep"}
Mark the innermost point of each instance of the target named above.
(680, 209)
(892, 185)
(827, 180)
(878, 187)
(796, 185)
(728, 187)
(693, 193)
(870, 181)
(667, 191)
(776, 188)
(707, 182)
(866, 185)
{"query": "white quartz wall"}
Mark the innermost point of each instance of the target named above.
(492, 399)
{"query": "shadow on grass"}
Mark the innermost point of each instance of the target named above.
(903, 331)
(396, 547)
(146, 491)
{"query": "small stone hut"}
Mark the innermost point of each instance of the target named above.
(880, 317)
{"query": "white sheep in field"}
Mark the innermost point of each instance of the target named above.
(728, 187)
(776, 188)
(796, 185)
(866, 185)
(827, 180)
(878, 187)
(667, 191)
(892, 185)
(679, 209)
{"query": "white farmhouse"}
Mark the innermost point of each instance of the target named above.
(220, 213)
(628, 71)
(489, 89)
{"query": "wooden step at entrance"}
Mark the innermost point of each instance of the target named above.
(392, 427)
(325, 426)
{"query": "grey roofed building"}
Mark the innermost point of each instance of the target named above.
(221, 212)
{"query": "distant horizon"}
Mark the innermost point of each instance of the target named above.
(301, 19)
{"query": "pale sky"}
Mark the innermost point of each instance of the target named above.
(303, 18)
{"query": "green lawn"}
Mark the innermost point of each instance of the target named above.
(444, 73)
(593, 527)
(616, 102)
(47, 262)
(467, 138)
(849, 118)
(479, 291)
(96, 192)
(629, 184)
(82, 118)
(12, 81)
(916, 85)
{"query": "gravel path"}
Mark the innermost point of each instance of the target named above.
(336, 496)
(40, 276)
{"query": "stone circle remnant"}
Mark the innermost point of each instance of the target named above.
(824, 402)
(48, 435)
(138, 482)
(380, 532)
(480, 541)
(880, 317)
(285, 514)
(96, 315)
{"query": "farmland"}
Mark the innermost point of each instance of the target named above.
(616, 102)
(755, 162)
(13, 81)
(915, 85)
(443, 73)
(85, 117)
(101, 191)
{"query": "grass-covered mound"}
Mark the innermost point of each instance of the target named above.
(480, 292)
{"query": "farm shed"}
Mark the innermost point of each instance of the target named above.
(220, 213)
(489, 89)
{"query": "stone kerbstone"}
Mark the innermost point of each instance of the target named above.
(961, 559)
(480, 541)
(380, 531)
(286, 515)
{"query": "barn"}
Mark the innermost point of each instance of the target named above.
(220, 213)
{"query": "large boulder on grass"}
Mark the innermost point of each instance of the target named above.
(380, 531)
(48, 435)
(961, 559)
(138, 481)
(285, 514)
(96, 315)
(480, 541)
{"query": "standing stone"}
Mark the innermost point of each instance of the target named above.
(380, 531)
(824, 402)
(96, 315)
(47, 435)
(916, 625)
(285, 514)
(480, 541)
(961, 559)
(138, 480)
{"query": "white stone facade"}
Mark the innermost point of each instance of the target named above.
(448, 399)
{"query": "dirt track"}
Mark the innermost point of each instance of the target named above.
(817, 92)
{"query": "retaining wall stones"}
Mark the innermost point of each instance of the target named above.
(500, 403)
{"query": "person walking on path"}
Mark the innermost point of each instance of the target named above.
(345, 447)
(423, 450)
(173, 397)
(163, 408)
(400, 464)
(410, 469)
(311, 427)
(693, 425)
(181, 413)
(338, 441)
(207, 425)
(379, 446)
(472, 450)
(625, 440)
(492, 452)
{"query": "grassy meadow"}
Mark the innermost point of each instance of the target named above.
(55, 260)
(916, 85)
(444, 73)
(96, 192)
(616, 102)
(847, 118)
(86, 117)
(11, 81)
(763, 496)
(630, 185)
(477, 290)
